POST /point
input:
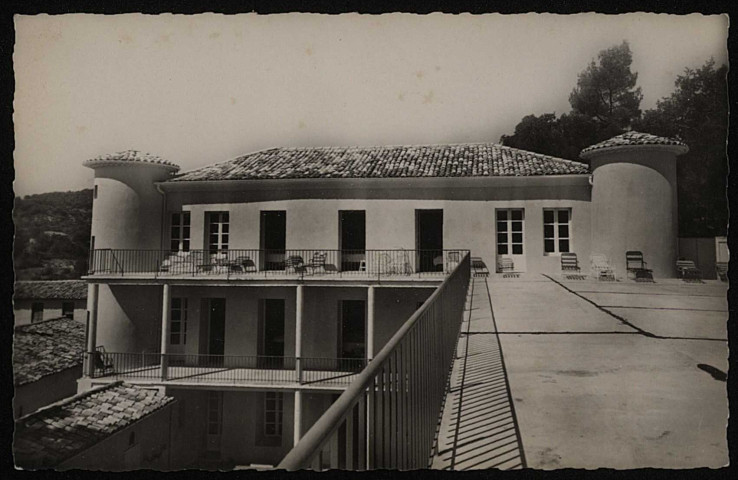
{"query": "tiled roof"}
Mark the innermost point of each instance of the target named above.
(462, 160)
(631, 139)
(51, 289)
(53, 434)
(130, 156)
(45, 348)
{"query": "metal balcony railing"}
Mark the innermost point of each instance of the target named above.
(302, 263)
(232, 369)
(388, 416)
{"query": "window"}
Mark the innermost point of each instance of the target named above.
(180, 232)
(132, 439)
(273, 414)
(217, 231)
(178, 318)
(94, 195)
(510, 231)
(68, 309)
(556, 230)
(37, 312)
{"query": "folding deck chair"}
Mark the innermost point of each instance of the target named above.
(506, 267)
(687, 270)
(569, 262)
(479, 267)
(102, 362)
(635, 264)
(570, 266)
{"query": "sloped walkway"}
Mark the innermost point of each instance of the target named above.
(478, 428)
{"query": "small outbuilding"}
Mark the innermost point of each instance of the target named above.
(47, 361)
(34, 301)
(114, 427)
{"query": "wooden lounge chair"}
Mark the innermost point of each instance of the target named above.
(687, 270)
(479, 267)
(635, 264)
(569, 262)
(601, 268)
(721, 268)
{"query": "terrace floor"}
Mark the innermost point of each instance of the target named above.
(601, 374)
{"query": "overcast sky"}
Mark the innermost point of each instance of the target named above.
(202, 89)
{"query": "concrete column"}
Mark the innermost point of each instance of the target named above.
(93, 290)
(165, 328)
(370, 323)
(298, 417)
(300, 301)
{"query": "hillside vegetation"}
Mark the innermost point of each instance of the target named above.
(52, 235)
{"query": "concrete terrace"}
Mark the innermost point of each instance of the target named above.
(600, 374)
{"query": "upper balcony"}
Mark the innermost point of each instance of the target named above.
(281, 265)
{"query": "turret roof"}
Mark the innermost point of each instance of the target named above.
(130, 157)
(629, 139)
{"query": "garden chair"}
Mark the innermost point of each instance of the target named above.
(505, 265)
(635, 264)
(687, 270)
(569, 262)
(243, 264)
(103, 362)
(294, 263)
(601, 268)
(317, 262)
(479, 267)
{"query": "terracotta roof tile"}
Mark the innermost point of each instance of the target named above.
(53, 434)
(462, 160)
(46, 348)
(631, 139)
(51, 289)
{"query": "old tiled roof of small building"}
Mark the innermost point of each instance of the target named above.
(461, 160)
(51, 289)
(53, 434)
(129, 156)
(46, 348)
(631, 139)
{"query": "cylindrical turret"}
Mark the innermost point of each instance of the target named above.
(634, 200)
(127, 210)
(127, 214)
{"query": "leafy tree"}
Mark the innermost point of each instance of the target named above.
(697, 113)
(604, 104)
(607, 91)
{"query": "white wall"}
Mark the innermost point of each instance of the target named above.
(390, 224)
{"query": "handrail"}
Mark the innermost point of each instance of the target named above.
(297, 263)
(320, 433)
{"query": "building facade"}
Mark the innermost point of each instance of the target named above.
(254, 290)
